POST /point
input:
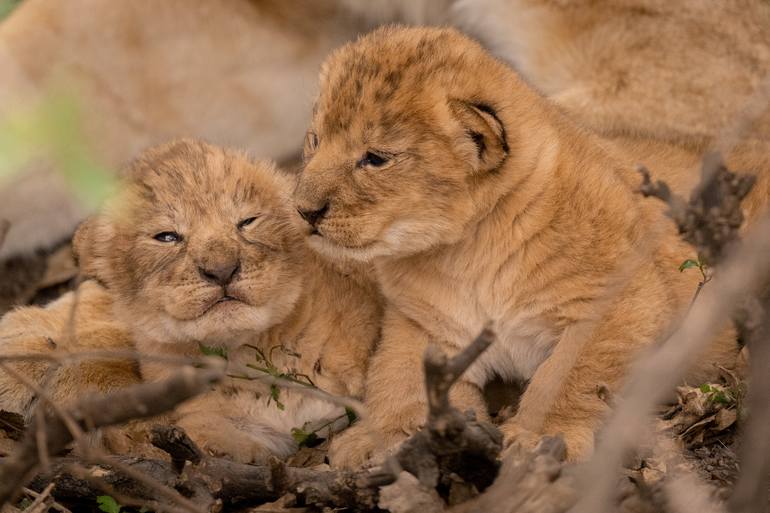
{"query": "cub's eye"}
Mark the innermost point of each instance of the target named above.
(167, 237)
(246, 222)
(372, 159)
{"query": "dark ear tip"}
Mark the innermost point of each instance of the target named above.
(485, 129)
(478, 139)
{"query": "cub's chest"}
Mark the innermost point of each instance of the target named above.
(445, 305)
(522, 345)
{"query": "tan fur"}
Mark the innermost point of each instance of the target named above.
(65, 341)
(687, 66)
(315, 319)
(47, 332)
(490, 206)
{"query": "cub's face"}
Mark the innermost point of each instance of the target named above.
(198, 244)
(392, 158)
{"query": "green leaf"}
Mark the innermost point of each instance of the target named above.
(303, 438)
(352, 417)
(275, 393)
(705, 388)
(108, 504)
(688, 264)
(720, 397)
(213, 351)
(6, 6)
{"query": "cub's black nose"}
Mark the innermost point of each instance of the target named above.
(219, 274)
(313, 216)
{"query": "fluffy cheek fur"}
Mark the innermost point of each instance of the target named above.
(396, 219)
(177, 305)
(232, 322)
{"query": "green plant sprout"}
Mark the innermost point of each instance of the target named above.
(108, 504)
(701, 266)
(221, 352)
(704, 272)
(52, 130)
(265, 365)
(305, 438)
(718, 394)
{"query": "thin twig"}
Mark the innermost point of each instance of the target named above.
(55, 505)
(751, 490)
(236, 371)
(5, 225)
(78, 471)
(137, 401)
(162, 491)
(39, 504)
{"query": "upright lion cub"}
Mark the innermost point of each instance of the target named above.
(200, 249)
(477, 200)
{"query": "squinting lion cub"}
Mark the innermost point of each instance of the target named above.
(200, 248)
(477, 200)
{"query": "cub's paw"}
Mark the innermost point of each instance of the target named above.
(517, 439)
(219, 437)
(362, 445)
(132, 440)
(578, 440)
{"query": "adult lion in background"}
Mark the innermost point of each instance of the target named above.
(235, 72)
(200, 248)
(477, 200)
(243, 72)
(663, 67)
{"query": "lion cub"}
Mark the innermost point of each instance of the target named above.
(199, 251)
(476, 200)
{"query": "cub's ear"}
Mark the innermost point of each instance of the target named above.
(484, 134)
(90, 247)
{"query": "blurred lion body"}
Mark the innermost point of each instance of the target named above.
(477, 200)
(665, 67)
(199, 248)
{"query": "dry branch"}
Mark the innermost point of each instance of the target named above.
(751, 490)
(530, 482)
(451, 442)
(741, 275)
(712, 217)
(139, 401)
(212, 481)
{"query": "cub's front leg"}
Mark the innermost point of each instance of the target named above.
(395, 398)
(73, 325)
(221, 426)
(563, 395)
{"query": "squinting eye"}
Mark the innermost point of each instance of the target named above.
(246, 222)
(372, 159)
(167, 237)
